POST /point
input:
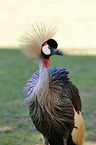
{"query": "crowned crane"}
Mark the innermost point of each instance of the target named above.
(53, 100)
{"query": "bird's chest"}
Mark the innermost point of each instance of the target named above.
(40, 117)
(43, 120)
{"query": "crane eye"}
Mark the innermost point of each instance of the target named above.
(46, 50)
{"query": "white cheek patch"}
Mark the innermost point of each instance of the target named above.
(46, 50)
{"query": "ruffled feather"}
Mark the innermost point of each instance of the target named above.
(31, 42)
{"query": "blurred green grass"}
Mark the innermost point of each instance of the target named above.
(15, 69)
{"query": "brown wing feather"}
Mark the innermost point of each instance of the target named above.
(59, 78)
(74, 96)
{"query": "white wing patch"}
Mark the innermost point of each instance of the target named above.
(46, 50)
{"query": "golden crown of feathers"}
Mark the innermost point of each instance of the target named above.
(31, 42)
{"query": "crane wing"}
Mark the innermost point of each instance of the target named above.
(59, 79)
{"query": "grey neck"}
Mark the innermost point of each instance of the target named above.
(43, 76)
(42, 87)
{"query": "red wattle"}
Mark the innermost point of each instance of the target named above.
(46, 62)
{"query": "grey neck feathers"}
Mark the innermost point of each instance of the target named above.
(42, 87)
(43, 75)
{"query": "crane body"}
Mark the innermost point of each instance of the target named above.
(53, 100)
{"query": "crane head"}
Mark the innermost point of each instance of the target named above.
(49, 48)
(37, 41)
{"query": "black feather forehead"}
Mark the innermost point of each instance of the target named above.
(31, 42)
(51, 43)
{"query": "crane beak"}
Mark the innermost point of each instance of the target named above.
(57, 52)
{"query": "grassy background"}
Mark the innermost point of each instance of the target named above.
(76, 22)
(15, 69)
